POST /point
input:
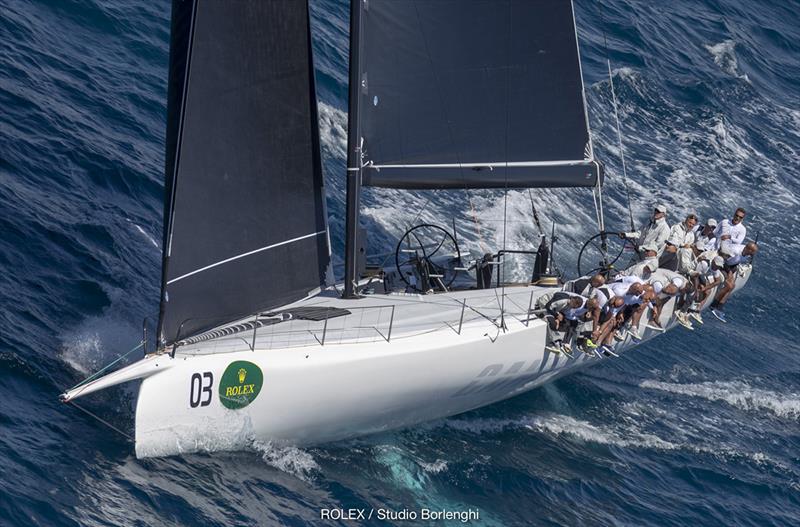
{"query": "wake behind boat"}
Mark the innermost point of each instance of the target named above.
(255, 340)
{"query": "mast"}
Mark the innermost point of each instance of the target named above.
(181, 35)
(353, 156)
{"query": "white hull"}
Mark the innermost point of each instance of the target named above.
(314, 394)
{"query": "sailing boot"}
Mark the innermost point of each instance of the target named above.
(683, 320)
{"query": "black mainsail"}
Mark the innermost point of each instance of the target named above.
(245, 228)
(472, 93)
(456, 94)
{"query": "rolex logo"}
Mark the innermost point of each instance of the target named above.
(240, 384)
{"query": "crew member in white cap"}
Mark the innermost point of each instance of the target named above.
(705, 240)
(648, 264)
(731, 231)
(666, 285)
(656, 231)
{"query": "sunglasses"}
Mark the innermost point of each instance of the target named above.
(738, 216)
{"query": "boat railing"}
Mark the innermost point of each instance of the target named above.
(376, 323)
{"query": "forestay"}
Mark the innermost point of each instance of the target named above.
(244, 218)
(472, 93)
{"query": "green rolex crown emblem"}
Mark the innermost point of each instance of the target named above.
(240, 384)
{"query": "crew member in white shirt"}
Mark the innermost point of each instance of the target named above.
(648, 264)
(705, 240)
(678, 255)
(656, 231)
(706, 276)
(636, 293)
(731, 231)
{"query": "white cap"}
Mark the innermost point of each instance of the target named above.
(719, 261)
(661, 207)
(711, 222)
(678, 281)
(657, 286)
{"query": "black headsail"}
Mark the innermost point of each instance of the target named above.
(245, 228)
(472, 94)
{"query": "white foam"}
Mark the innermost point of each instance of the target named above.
(440, 465)
(735, 393)
(149, 238)
(333, 129)
(97, 341)
(81, 352)
(289, 459)
(724, 55)
(624, 72)
(558, 424)
(630, 432)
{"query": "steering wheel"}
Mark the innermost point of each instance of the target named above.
(417, 249)
(601, 252)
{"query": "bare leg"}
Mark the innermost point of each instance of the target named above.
(726, 290)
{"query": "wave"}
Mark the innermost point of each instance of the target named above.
(736, 393)
(626, 433)
(290, 459)
(725, 57)
(145, 234)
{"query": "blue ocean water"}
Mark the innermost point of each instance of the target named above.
(695, 428)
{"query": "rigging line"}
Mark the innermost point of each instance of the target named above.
(475, 221)
(100, 419)
(600, 200)
(501, 267)
(596, 209)
(535, 214)
(97, 373)
(616, 117)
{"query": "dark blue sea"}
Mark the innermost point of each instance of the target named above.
(694, 428)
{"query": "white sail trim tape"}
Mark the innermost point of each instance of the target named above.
(243, 255)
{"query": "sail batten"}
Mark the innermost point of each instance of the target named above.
(245, 225)
(452, 83)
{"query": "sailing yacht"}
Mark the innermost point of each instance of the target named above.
(255, 338)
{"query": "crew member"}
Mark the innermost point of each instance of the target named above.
(611, 319)
(706, 276)
(678, 255)
(634, 293)
(731, 231)
(734, 255)
(648, 264)
(656, 231)
(666, 285)
(705, 240)
(562, 311)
